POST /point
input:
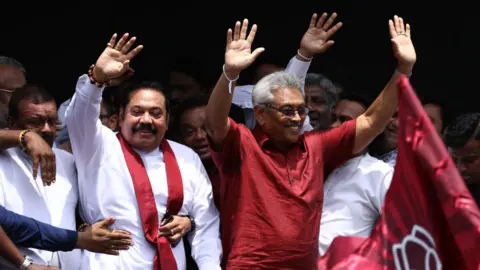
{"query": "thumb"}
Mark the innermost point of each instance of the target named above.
(106, 222)
(328, 44)
(257, 52)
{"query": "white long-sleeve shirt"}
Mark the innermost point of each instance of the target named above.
(54, 204)
(106, 189)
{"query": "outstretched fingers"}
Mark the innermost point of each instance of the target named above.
(251, 35)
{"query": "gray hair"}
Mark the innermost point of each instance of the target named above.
(263, 91)
(4, 60)
(324, 83)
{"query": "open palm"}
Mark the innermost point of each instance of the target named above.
(403, 47)
(115, 59)
(238, 55)
(316, 39)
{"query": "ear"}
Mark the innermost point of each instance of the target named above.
(113, 121)
(259, 112)
(167, 121)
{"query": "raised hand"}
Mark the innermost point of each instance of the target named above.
(238, 55)
(401, 40)
(317, 38)
(114, 63)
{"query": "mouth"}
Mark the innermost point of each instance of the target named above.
(202, 148)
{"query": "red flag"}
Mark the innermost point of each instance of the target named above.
(429, 219)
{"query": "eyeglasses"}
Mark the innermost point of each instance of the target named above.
(289, 111)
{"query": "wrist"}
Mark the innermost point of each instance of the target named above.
(26, 263)
(18, 260)
(97, 75)
(231, 74)
(405, 69)
(24, 138)
(304, 54)
(82, 240)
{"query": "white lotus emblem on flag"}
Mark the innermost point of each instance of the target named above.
(416, 251)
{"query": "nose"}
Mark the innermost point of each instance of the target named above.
(47, 128)
(200, 134)
(146, 118)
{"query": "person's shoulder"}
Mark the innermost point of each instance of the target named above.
(373, 165)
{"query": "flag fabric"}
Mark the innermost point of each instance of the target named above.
(429, 219)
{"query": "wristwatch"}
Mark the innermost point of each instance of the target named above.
(192, 222)
(26, 263)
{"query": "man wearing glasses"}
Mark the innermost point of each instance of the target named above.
(12, 76)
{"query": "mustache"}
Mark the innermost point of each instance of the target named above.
(144, 127)
(293, 124)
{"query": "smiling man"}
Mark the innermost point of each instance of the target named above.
(157, 189)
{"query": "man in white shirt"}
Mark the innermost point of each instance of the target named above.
(33, 109)
(144, 180)
(353, 193)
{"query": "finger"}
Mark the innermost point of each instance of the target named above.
(106, 222)
(35, 164)
(118, 236)
(402, 26)
(398, 29)
(329, 21)
(251, 35)
(236, 32)
(134, 52)
(257, 52)
(120, 243)
(229, 36)
(43, 170)
(168, 226)
(121, 42)
(53, 168)
(391, 28)
(408, 30)
(122, 232)
(111, 252)
(328, 44)
(48, 170)
(174, 238)
(120, 247)
(243, 31)
(322, 19)
(334, 29)
(313, 20)
(112, 41)
(128, 45)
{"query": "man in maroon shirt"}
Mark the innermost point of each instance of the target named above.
(272, 177)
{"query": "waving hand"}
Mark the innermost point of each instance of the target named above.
(238, 55)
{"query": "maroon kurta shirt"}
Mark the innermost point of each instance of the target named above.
(271, 201)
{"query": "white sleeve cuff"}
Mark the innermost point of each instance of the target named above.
(89, 90)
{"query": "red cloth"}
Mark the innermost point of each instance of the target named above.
(271, 200)
(164, 259)
(429, 217)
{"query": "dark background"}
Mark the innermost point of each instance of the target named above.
(58, 44)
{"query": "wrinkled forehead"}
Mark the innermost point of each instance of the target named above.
(11, 77)
(28, 108)
(288, 96)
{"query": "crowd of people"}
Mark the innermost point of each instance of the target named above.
(140, 176)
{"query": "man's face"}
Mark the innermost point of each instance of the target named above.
(347, 110)
(468, 162)
(108, 120)
(193, 133)
(320, 114)
(10, 78)
(435, 113)
(391, 133)
(42, 118)
(282, 120)
(144, 121)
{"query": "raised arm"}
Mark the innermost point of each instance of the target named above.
(238, 56)
(82, 115)
(373, 121)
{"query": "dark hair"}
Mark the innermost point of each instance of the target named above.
(191, 103)
(108, 101)
(462, 129)
(33, 93)
(347, 95)
(128, 91)
(444, 111)
(4, 60)
(324, 83)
